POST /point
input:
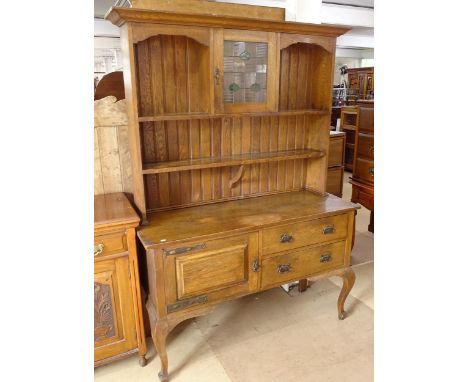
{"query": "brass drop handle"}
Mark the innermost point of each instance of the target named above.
(284, 268)
(325, 258)
(217, 76)
(286, 238)
(255, 265)
(98, 248)
(328, 229)
(371, 171)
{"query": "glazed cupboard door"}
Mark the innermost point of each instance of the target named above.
(114, 321)
(204, 271)
(244, 71)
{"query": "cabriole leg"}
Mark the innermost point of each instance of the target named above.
(348, 277)
(159, 335)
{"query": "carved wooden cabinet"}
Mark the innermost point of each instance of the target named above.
(336, 155)
(229, 134)
(361, 83)
(118, 323)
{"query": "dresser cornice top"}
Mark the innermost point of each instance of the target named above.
(238, 216)
(119, 16)
(114, 210)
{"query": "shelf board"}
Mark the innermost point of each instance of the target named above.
(232, 160)
(188, 116)
(349, 127)
(350, 145)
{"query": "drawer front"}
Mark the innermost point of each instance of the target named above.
(301, 263)
(362, 197)
(110, 244)
(364, 169)
(210, 270)
(335, 153)
(366, 146)
(366, 119)
(335, 181)
(295, 235)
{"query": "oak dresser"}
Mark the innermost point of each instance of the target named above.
(229, 134)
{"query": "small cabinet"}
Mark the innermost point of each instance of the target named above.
(244, 71)
(114, 318)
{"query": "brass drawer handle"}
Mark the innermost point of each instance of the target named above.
(286, 238)
(98, 248)
(284, 268)
(371, 171)
(328, 229)
(325, 258)
(255, 265)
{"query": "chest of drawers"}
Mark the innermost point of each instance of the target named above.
(118, 322)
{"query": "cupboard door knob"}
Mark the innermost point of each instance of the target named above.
(217, 76)
(286, 238)
(371, 149)
(326, 257)
(98, 248)
(284, 268)
(328, 229)
(371, 171)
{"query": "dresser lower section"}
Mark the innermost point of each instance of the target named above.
(189, 278)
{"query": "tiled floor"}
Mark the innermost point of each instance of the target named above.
(273, 336)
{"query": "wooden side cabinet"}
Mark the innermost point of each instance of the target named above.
(336, 163)
(118, 320)
(363, 168)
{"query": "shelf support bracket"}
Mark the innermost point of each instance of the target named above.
(237, 177)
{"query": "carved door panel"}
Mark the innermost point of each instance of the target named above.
(245, 71)
(114, 320)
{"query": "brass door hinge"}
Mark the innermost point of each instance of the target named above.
(178, 251)
(186, 303)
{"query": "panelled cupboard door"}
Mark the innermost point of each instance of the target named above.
(205, 271)
(244, 70)
(114, 320)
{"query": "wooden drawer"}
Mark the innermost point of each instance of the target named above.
(364, 169)
(360, 196)
(295, 235)
(210, 270)
(335, 153)
(366, 119)
(335, 181)
(366, 146)
(110, 244)
(301, 263)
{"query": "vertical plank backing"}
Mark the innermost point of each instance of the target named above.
(196, 194)
(125, 159)
(205, 152)
(255, 148)
(226, 150)
(236, 148)
(264, 147)
(110, 160)
(245, 148)
(273, 166)
(98, 184)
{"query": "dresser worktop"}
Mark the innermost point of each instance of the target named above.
(239, 215)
